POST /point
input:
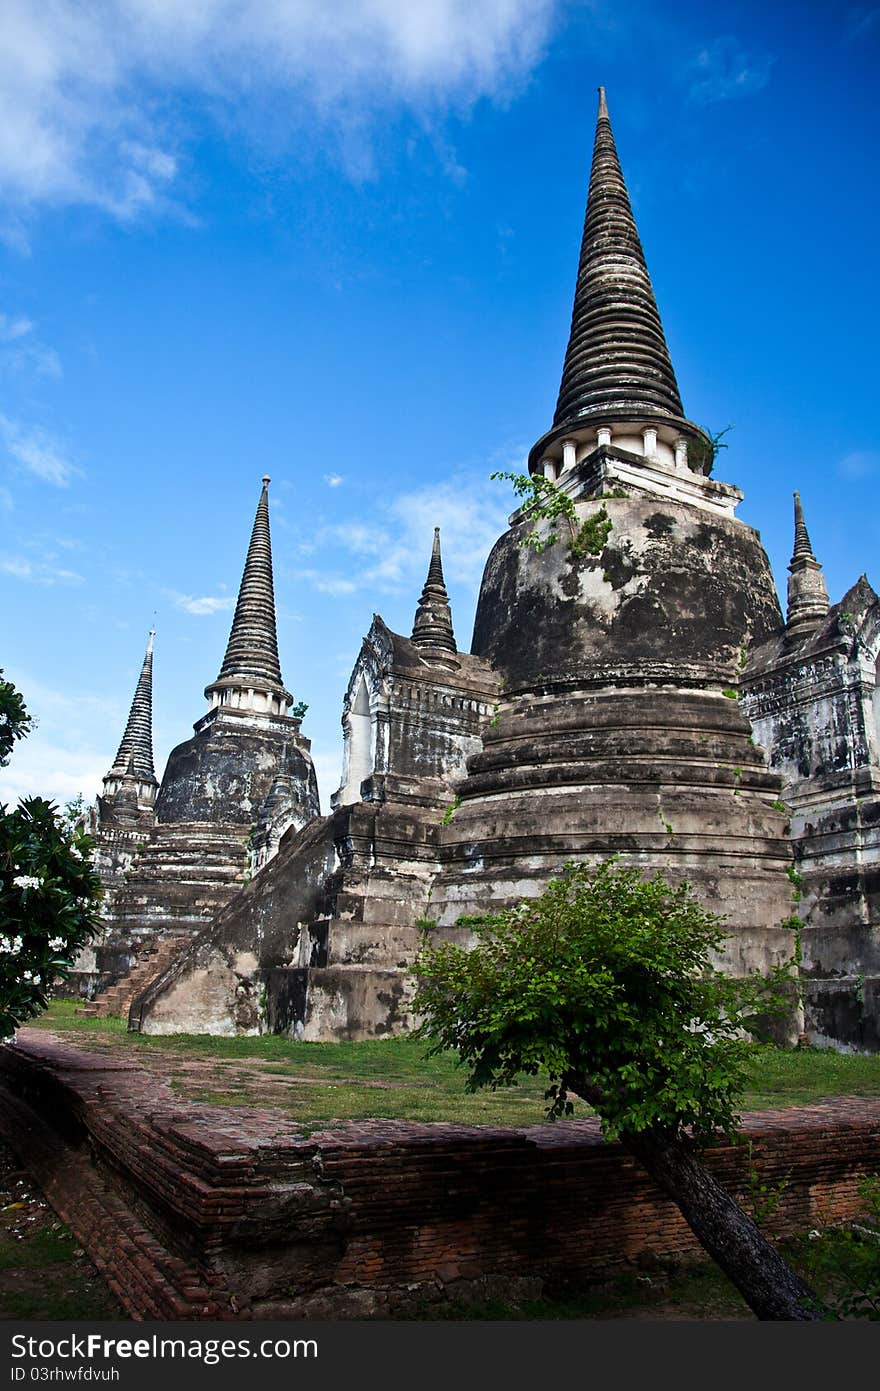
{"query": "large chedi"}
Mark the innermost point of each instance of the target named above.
(619, 646)
(243, 778)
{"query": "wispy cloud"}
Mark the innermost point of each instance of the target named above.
(333, 480)
(335, 585)
(79, 79)
(44, 767)
(37, 572)
(22, 351)
(724, 70)
(13, 328)
(208, 604)
(861, 463)
(390, 550)
(859, 22)
(65, 754)
(37, 452)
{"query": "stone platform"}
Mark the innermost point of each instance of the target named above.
(196, 1212)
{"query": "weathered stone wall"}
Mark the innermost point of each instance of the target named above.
(226, 771)
(214, 986)
(618, 729)
(672, 593)
(318, 945)
(412, 717)
(811, 695)
(181, 1205)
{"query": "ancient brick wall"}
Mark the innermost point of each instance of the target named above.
(196, 1212)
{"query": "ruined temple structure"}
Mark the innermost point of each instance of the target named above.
(172, 856)
(812, 694)
(632, 689)
(319, 943)
(619, 646)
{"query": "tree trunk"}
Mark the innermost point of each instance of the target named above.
(766, 1282)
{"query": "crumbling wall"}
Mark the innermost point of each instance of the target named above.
(193, 1211)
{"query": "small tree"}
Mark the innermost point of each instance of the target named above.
(606, 983)
(49, 892)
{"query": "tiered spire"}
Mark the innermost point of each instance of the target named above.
(135, 755)
(617, 365)
(433, 622)
(251, 661)
(807, 592)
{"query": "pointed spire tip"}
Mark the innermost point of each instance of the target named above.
(266, 480)
(603, 105)
(433, 621)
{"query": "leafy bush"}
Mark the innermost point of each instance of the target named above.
(49, 891)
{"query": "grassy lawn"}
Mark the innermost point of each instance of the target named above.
(319, 1082)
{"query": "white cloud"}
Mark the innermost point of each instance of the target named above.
(39, 572)
(65, 754)
(37, 452)
(21, 351)
(11, 329)
(89, 88)
(327, 584)
(471, 514)
(43, 768)
(333, 480)
(391, 551)
(187, 603)
(724, 70)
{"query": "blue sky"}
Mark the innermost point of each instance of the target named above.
(337, 244)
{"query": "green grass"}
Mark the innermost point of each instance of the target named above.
(393, 1078)
(797, 1077)
(45, 1247)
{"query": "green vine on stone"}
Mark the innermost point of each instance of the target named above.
(542, 500)
(702, 456)
(592, 536)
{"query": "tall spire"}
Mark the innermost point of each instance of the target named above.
(807, 592)
(135, 755)
(251, 662)
(617, 366)
(433, 622)
(802, 546)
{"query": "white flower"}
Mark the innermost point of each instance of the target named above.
(27, 881)
(76, 854)
(26, 975)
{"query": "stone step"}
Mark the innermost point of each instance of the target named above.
(117, 998)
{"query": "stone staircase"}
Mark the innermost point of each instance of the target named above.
(152, 960)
